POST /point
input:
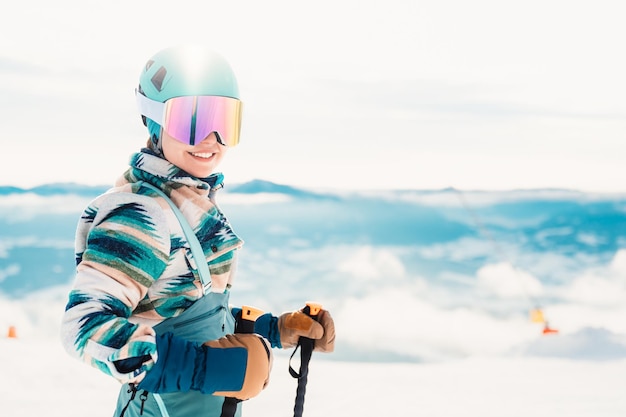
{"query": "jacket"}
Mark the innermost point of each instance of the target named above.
(134, 268)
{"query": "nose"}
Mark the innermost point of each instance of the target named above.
(212, 138)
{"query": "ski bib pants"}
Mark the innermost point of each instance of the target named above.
(209, 318)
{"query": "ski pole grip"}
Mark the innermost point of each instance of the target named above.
(312, 309)
(245, 323)
(305, 344)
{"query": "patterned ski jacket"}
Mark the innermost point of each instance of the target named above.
(134, 265)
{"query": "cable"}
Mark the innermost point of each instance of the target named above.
(497, 249)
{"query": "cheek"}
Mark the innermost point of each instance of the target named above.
(172, 149)
(167, 152)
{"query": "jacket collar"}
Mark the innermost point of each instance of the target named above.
(147, 166)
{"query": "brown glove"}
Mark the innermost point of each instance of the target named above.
(292, 325)
(259, 363)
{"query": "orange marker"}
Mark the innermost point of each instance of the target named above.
(12, 333)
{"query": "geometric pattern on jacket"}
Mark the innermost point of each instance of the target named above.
(134, 267)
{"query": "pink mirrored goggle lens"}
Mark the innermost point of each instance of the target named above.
(191, 119)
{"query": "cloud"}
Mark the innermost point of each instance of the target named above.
(462, 249)
(590, 239)
(407, 316)
(592, 289)
(591, 297)
(12, 269)
(503, 280)
(601, 288)
(436, 318)
(26, 206)
(37, 315)
(6, 244)
(618, 263)
(589, 343)
(450, 197)
(373, 263)
(404, 321)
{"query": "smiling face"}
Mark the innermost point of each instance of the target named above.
(199, 160)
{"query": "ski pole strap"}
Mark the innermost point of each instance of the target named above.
(306, 349)
(306, 346)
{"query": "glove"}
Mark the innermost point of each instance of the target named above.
(284, 331)
(232, 366)
(295, 324)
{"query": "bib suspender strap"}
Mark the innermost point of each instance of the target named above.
(230, 404)
(196, 248)
(161, 405)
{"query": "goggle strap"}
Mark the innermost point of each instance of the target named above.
(150, 108)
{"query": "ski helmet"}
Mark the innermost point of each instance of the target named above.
(188, 71)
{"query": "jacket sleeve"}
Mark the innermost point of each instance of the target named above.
(122, 246)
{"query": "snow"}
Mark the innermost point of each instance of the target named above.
(37, 378)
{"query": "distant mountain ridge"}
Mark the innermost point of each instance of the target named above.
(56, 189)
(258, 186)
(251, 187)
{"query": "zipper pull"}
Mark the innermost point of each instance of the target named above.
(143, 397)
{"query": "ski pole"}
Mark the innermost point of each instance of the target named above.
(306, 346)
(248, 317)
(245, 324)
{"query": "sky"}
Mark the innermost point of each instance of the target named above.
(399, 94)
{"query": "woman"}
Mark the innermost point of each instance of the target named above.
(144, 307)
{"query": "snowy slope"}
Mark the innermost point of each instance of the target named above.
(37, 378)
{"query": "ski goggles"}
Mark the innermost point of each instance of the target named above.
(191, 119)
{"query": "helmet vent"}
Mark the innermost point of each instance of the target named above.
(158, 77)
